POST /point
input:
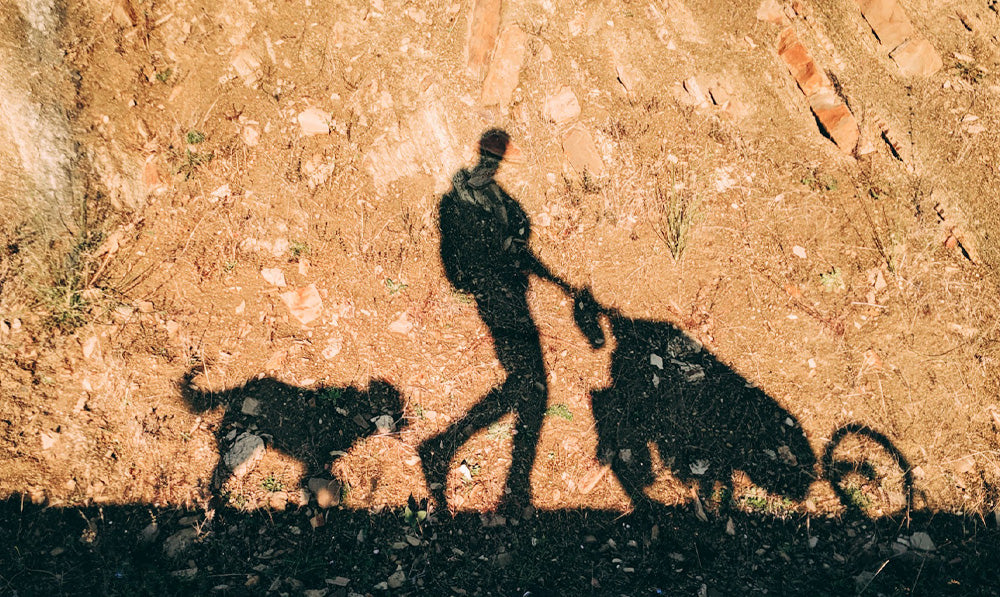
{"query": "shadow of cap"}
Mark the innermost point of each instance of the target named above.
(494, 143)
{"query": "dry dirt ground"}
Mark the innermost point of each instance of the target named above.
(266, 179)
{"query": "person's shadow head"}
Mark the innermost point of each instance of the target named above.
(305, 423)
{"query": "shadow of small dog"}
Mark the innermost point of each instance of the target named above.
(311, 425)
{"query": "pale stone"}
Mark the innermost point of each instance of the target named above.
(314, 121)
(273, 276)
(401, 325)
(561, 107)
(251, 406)
(917, 57)
(305, 304)
(245, 453)
(247, 67)
(505, 69)
(327, 491)
(581, 151)
(888, 20)
(175, 544)
(484, 25)
(770, 11)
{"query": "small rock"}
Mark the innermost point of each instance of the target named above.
(396, 579)
(314, 122)
(185, 573)
(315, 592)
(770, 11)
(561, 107)
(719, 95)
(175, 544)
(504, 71)
(629, 77)
(385, 424)
(888, 20)
(327, 491)
(278, 500)
(273, 276)
(305, 304)
(48, 440)
(401, 325)
(504, 560)
(917, 57)
(251, 406)
(149, 533)
(483, 29)
(730, 528)
(581, 152)
(251, 136)
(693, 88)
(333, 347)
(799, 252)
(801, 65)
(922, 541)
(246, 451)
(836, 119)
(247, 66)
(189, 521)
(91, 348)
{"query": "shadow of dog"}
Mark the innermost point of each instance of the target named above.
(312, 425)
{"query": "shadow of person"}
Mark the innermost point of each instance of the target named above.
(484, 250)
(705, 420)
(306, 424)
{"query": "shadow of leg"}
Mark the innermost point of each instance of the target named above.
(437, 452)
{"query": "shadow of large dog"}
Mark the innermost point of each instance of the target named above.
(705, 420)
(310, 425)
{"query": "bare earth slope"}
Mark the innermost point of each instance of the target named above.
(786, 217)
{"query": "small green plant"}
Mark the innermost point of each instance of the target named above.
(969, 72)
(191, 161)
(500, 430)
(415, 513)
(589, 184)
(272, 483)
(238, 499)
(676, 210)
(559, 410)
(394, 286)
(194, 137)
(298, 249)
(754, 501)
(331, 396)
(721, 496)
(856, 498)
(820, 182)
(229, 266)
(164, 75)
(832, 280)
(464, 298)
